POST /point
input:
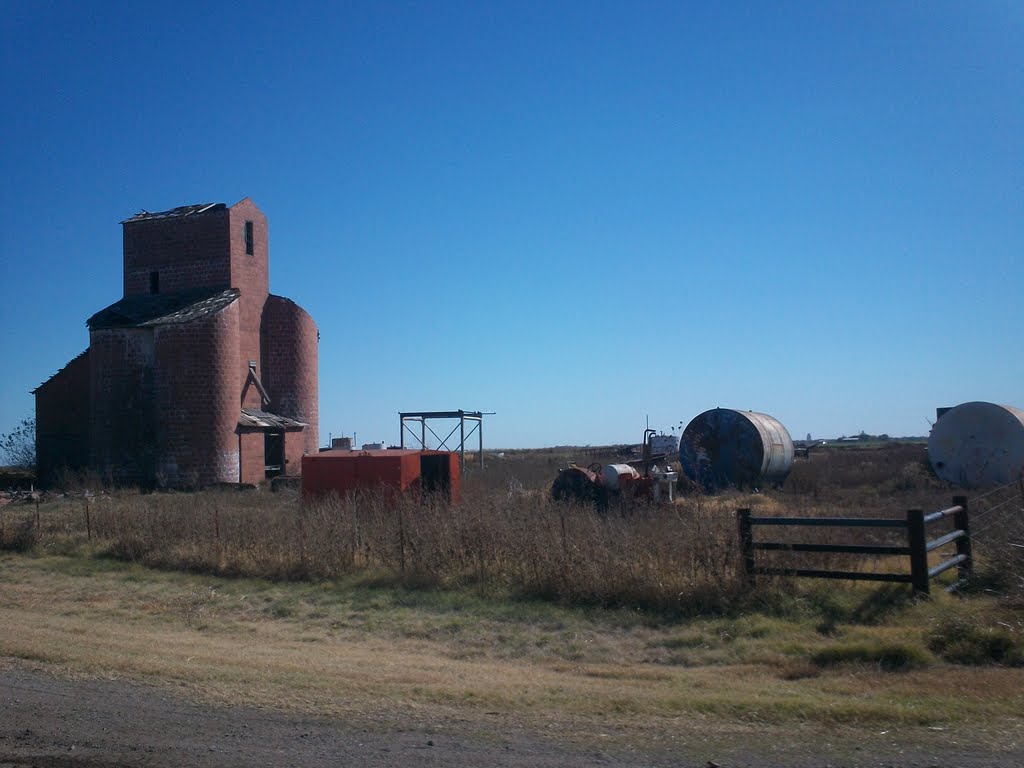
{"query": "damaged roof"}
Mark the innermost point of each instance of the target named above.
(146, 310)
(70, 362)
(253, 417)
(180, 211)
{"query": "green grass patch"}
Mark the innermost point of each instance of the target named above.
(967, 640)
(888, 656)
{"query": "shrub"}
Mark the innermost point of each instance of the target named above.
(20, 537)
(961, 640)
(893, 657)
(18, 447)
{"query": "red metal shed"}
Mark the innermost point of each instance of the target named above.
(402, 470)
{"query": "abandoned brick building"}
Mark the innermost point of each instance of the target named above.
(198, 375)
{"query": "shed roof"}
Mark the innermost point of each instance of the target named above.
(70, 362)
(253, 417)
(180, 211)
(147, 310)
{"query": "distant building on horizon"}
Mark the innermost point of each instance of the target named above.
(198, 374)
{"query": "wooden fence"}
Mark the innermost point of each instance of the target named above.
(916, 549)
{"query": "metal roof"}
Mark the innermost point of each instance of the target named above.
(329, 453)
(146, 310)
(253, 417)
(181, 210)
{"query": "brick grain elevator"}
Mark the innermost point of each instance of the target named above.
(198, 374)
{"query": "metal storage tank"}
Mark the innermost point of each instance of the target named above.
(723, 447)
(978, 444)
(619, 477)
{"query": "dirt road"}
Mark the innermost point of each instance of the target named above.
(46, 721)
(52, 722)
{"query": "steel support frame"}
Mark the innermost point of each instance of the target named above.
(476, 419)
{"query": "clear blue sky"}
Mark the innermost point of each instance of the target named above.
(575, 214)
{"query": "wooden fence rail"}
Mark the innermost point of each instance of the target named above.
(916, 548)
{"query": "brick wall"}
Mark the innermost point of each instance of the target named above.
(250, 275)
(122, 417)
(294, 448)
(62, 421)
(197, 399)
(188, 252)
(161, 405)
(250, 443)
(290, 365)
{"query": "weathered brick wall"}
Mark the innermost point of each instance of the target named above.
(294, 448)
(250, 443)
(163, 403)
(62, 421)
(122, 417)
(197, 399)
(290, 365)
(250, 275)
(188, 252)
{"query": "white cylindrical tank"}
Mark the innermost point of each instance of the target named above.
(618, 476)
(978, 444)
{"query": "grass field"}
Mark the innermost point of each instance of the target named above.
(385, 656)
(622, 627)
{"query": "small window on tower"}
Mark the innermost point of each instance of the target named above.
(154, 282)
(248, 238)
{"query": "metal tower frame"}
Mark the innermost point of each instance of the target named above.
(476, 418)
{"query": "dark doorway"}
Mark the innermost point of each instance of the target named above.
(273, 453)
(435, 473)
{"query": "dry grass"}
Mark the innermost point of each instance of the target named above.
(656, 558)
(384, 657)
(629, 621)
(509, 539)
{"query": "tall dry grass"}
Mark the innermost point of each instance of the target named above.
(508, 537)
(664, 558)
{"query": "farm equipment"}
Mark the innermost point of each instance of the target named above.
(597, 484)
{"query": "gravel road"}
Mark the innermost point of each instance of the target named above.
(52, 722)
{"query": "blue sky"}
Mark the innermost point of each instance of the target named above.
(578, 215)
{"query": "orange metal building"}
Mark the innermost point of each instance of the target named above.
(401, 470)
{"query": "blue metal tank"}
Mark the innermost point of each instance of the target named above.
(724, 448)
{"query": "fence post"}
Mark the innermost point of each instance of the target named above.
(401, 542)
(302, 543)
(963, 544)
(565, 539)
(355, 535)
(746, 545)
(918, 551)
(480, 547)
